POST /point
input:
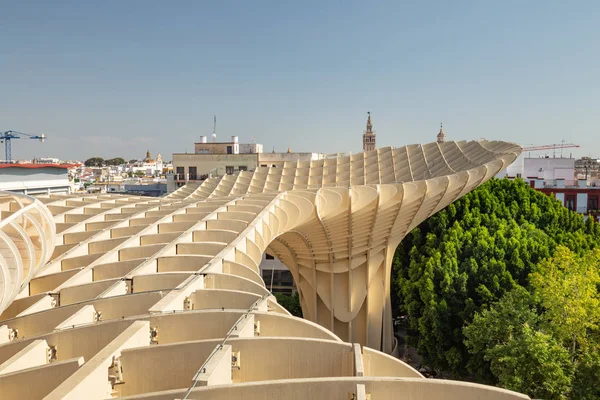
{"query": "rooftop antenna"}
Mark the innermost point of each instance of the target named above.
(214, 135)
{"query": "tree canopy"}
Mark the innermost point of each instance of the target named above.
(101, 162)
(94, 162)
(115, 161)
(488, 282)
(290, 303)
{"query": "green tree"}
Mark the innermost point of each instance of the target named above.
(467, 256)
(586, 384)
(94, 162)
(509, 349)
(497, 325)
(532, 362)
(115, 161)
(290, 303)
(567, 288)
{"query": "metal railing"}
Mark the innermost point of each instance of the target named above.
(220, 346)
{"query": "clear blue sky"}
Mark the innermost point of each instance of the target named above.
(114, 78)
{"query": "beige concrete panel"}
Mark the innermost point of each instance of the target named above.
(204, 299)
(19, 385)
(379, 364)
(96, 226)
(175, 226)
(190, 217)
(104, 245)
(90, 381)
(158, 281)
(115, 269)
(143, 221)
(61, 249)
(232, 225)
(204, 248)
(43, 322)
(33, 355)
(244, 259)
(343, 388)
(298, 358)
(158, 238)
(85, 315)
(20, 305)
(80, 261)
(50, 282)
(9, 348)
(80, 293)
(85, 340)
(233, 268)
(126, 306)
(214, 235)
(285, 325)
(61, 227)
(193, 325)
(126, 231)
(232, 282)
(291, 357)
(162, 367)
(132, 253)
(182, 263)
(70, 218)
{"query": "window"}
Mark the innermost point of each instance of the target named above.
(593, 203)
(243, 168)
(263, 165)
(229, 170)
(570, 202)
(229, 150)
(180, 173)
(193, 173)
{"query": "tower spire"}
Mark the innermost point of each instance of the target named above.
(369, 135)
(441, 136)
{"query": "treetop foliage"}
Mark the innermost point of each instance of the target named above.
(485, 264)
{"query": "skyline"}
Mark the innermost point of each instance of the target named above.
(118, 79)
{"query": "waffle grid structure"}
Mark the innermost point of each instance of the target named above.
(122, 296)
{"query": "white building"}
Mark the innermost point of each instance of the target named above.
(542, 168)
(34, 179)
(228, 158)
(148, 166)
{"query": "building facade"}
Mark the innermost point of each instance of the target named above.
(228, 158)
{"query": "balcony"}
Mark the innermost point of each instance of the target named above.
(190, 177)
